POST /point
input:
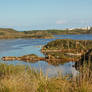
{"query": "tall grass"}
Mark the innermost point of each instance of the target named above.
(20, 78)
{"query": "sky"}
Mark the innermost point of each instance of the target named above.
(45, 14)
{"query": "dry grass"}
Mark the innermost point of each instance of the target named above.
(24, 79)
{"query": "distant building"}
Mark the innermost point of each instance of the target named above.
(86, 28)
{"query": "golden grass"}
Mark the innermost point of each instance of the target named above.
(24, 79)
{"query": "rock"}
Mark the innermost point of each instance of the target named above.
(85, 58)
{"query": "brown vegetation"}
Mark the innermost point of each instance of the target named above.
(24, 79)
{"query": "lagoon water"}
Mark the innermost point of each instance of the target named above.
(20, 47)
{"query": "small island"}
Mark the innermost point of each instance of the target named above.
(67, 49)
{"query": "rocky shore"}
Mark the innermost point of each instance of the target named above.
(26, 58)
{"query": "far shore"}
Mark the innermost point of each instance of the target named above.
(9, 33)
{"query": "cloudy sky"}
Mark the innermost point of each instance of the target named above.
(45, 14)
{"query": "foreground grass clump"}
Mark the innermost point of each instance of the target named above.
(24, 79)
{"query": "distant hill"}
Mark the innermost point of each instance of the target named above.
(62, 32)
(4, 31)
(8, 33)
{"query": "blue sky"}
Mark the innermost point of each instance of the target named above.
(45, 14)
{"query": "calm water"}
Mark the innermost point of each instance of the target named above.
(20, 47)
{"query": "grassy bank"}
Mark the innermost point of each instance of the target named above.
(24, 79)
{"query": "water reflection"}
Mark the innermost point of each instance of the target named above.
(20, 47)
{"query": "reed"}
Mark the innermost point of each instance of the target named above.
(21, 78)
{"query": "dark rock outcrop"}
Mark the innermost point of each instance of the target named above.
(85, 58)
